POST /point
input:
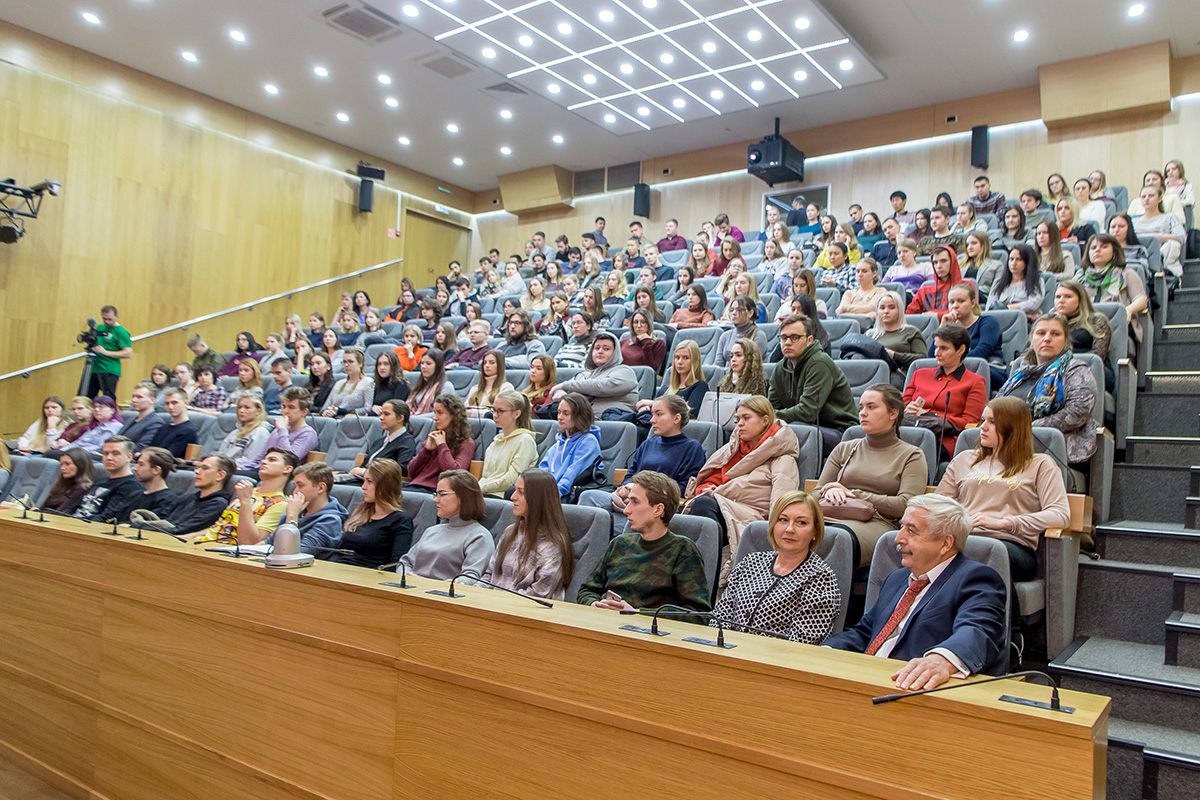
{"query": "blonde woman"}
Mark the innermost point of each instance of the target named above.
(535, 296)
(863, 299)
(744, 285)
(615, 288)
(43, 434)
(978, 264)
(249, 382)
(245, 444)
(491, 382)
(514, 449)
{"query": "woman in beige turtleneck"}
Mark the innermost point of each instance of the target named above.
(881, 469)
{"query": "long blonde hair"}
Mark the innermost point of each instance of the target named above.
(696, 373)
(259, 420)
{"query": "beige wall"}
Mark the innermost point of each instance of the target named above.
(173, 206)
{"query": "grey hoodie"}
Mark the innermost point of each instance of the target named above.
(613, 385)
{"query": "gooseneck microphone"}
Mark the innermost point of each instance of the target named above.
(475, 577)
(1053, 705)
(339, 550)
(403, 584)
(680, 611)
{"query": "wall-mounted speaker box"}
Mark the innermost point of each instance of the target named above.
(979, 146)
(366, 195)
(641, 200)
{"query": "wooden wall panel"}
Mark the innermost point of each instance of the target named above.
(1134, 79)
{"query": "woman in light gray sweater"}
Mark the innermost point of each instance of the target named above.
(459, 544)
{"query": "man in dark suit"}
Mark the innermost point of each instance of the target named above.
(941, 612)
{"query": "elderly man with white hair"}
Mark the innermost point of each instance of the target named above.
(940, 612)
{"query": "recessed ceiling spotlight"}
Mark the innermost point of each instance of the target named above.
(410, 10)
(506, 151)
(710, 47)
(754, 34)
(564, 28)
(679, 102)
(505, 113)
(458, 162)
(342, 116)
(757, 86)
(802, 23)
(845, 64)
(189, 56)
(643, 111)
(607, 16)
(1136, 10)
(627, 69)
(666, 58)
(553, 88)
(91, 18)
(650, 3)
(589, 78)
(488, 52)
(557, 138)
(525, 40)
(392, 102)
(271, 88)
(610, 118)
(800, 75)
(716, 94)
(237, 36)
(1020, 36)
(386, 80)
(404, 140)
(452, 128)
(321, 72)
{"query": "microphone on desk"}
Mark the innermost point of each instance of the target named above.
(403, 584)
(141, 519)
(26, 505)
(681, 611)
(42, 512)
(475, 577)
(1053, 705)
(339, 550)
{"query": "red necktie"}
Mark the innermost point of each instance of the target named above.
(915, 587)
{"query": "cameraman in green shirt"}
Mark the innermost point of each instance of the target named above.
(112, 345)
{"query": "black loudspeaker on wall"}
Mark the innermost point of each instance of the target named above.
(641, 200)
(366, 195)
(979, 146)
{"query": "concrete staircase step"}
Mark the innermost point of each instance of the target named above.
(1185, 596)
(1143, 689)
(1184, 332)
(1163, 413)
(1181, 451)
(1182, 313)
(1143, 543)
(1124, 600)
(1150, 492)
(1183, 639)
(1151, 761)
(1173, 379)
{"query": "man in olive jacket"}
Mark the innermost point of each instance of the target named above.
(807, 387)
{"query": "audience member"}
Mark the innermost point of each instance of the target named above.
(176, 435)
(789, 591)
(143, 427)
(1171, 203)
(693, 311)
(160, 381)
(921, 226)
(965, 221)
(448, 446)
(186, 378)
(316, 329)
(105, 500)
(1158, 222)
(1091, 211)
(247, 442)
(318, 517)
(43, 434)
(672, 240)
(255, 512)
(543, 377)
(1032, 211)
(395, 443)
(742, 314)
(642, 348)
(907, 271)
(521, 341)
(685, 380)
(281, 381)
(606, 382)
(249, 382)
(556, 320)
(1106, 279)
(105, 422)
(1020, 286)
(412, 348)
(862, 300)
(902, 342)
(744, 373)
(75, 478)
(1174, 182)
(884, 251)
(807, 387)
(291, 431)
(948, 398)
(1056, 186)
(534, 555)
(331, 342)
(985, 200)
(1089, 329)
(431, 384)
(458, 545)
(246, 348)
(320, 379)
(940, 236)
(490, 384)
(205, 356)
(651, 566)
(81, 418)
(940, 611)
(1072, 228)
(934, 297)
(378, 531)
(151, 470)
(574, 458)
(1059, 390)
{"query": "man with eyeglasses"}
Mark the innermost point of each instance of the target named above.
(807, 387)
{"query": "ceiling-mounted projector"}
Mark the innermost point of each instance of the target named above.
(775, 160)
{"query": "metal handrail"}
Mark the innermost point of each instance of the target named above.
(24, 373)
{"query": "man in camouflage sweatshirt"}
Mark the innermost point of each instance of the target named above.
(649, 566)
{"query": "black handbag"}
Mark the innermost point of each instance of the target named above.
(862, 346)
(591, 477)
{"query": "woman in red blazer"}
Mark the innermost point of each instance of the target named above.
(947, 398)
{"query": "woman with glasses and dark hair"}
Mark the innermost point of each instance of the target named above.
(459, 544)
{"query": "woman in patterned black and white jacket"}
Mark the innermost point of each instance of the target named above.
(789, 591)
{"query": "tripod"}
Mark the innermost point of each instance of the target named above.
(86, 379)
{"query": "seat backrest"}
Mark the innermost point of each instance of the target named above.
(863, 373)
(1014, 331)
(837, 330)
(519, 378)
(831, 295)
(352, 436)
(374, 351)
(544, 431)
(483, 431)
(181, 481)
(325, 427)
(1073, 249)
(1049, 286)
(423, 510)
(497, 516)
(1097, 367)
(462, 380)
(202, 423)
(348, 495)
(421, 426)
(590, 530)
(1045, 440)
(704, 532)
(33, 476)
(927, 324)
(974, 364)
(917, 437)
(647, 381)
(710, 435)
(1118, 348)
(811, 458)
(618, 440)
(706, 340)
(552, 344)
(836, 550)
(218, 429)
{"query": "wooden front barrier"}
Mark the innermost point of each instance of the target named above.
(152, 669)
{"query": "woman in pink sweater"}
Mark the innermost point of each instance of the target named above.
(1011, 494)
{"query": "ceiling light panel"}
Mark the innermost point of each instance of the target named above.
(709, 44)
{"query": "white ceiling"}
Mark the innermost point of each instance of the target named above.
(916, 52)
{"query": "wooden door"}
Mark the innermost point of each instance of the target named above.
(430, 244)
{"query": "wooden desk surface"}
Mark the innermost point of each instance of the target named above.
(154, 669)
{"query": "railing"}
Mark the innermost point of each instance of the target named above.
(25, 373)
